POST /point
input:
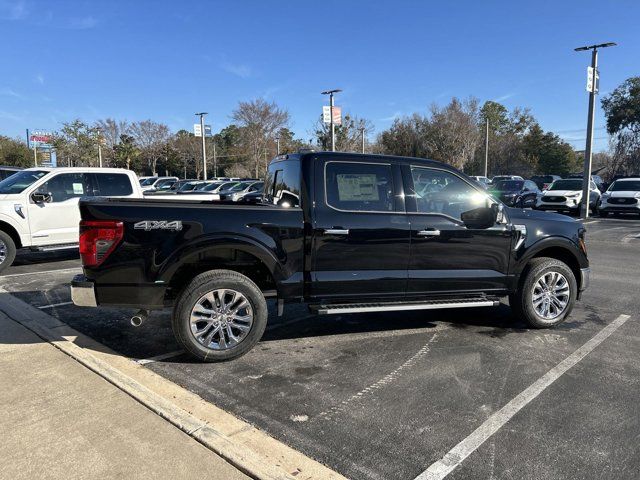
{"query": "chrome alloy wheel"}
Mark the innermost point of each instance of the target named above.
(221, 319)
(550, 296)
(3, 252)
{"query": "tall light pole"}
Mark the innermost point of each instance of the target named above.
(593, 89)
(333, 128)
(278, 144)
(486, 150)
(215, 159)
(204, 147)
(362, 137)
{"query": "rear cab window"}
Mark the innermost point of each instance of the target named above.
(282, 184)
(112, 184)
(359, 187)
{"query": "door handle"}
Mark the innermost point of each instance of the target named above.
(429, 232)
(336, 231)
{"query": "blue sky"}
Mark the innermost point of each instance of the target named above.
(166, 60)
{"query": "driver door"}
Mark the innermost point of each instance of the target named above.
(57, 222)
(446, 256)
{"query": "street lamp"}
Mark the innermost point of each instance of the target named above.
(592, 85)
(278, 144)
(333, 130)
(204, 148)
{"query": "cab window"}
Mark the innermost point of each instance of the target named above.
(66, 186)
(441, 192)
(361, 187)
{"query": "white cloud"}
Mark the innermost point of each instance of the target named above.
(8, 92)
(391, 118)
(504, 97)
(242, 71)
(83, 23)
(13, 10)
(40, 79)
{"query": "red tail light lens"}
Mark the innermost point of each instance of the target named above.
(98, 239)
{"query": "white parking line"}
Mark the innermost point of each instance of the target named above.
(158, 358)
(75, 269)
(53, 305)
(466, 447)
(591, 221)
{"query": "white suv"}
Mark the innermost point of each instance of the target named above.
(566, 195)
(622, 196)
(39, 206)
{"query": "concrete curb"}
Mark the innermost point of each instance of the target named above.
(234, 442)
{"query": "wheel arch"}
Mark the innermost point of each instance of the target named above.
(12, 232)
(559, 248)
(244, 256)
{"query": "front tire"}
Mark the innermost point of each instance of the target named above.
(220, 315)
(7, 251)
(547, 293)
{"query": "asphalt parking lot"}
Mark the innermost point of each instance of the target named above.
(385, 396)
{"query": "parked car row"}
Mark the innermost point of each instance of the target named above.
(551, 192)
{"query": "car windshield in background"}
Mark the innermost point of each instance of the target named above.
(508, 185)
(566, 185)
(148, 182)
(625, 186)
(17, 182)
(239, 186)
(214, 186)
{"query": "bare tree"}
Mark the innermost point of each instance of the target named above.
(150, 137)
(453, 133)
(260, 120)
(111, 130)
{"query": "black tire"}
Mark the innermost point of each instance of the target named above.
(7, 251)
(521, 302)
(195, 290)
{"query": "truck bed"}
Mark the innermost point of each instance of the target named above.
(163, 236)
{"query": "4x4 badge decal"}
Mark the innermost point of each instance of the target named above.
(148, 225)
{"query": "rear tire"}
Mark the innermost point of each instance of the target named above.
(209, 322)
(554, 287)
(7, 251)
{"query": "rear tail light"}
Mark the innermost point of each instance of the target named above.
(98, 239)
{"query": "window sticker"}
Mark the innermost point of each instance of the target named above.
(357, 187)
(78, 189)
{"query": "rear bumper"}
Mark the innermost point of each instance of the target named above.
(83, 293)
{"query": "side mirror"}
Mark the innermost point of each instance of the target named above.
(38, 197)
(483, 217)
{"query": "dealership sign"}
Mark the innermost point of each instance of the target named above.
(337, 115)
(39, 138)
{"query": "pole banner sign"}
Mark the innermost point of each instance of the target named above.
(197, 131)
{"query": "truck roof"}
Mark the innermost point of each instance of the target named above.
(303, 156)
(80, 169)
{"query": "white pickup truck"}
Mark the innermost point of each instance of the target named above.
(39, 206)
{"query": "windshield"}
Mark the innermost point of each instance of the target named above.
(147, 182)
(239, 186)
(165, 183)
(508, 185)
(566, 185)
(625, 186)
(18, 182)
(213, 187)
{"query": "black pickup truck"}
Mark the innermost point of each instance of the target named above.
(341, 232)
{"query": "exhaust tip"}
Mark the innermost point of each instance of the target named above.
(139, 318)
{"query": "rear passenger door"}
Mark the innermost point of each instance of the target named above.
(360, 244)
